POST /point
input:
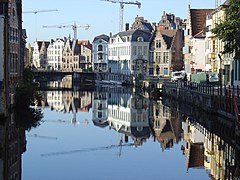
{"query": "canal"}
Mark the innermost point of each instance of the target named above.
(114, 133)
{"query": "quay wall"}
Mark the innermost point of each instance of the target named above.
(190, 96)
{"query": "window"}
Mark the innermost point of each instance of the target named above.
(100, 56)
(158, 57)
(134, 50)
(165, 57)
(100, 47)
(140, 39)
(145, 50)
(165, 71)
(158, 44)
(139, 50)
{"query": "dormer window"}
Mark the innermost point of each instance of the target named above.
(140, 39)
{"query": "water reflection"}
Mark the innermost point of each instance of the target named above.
(12, 145)
(208, 143)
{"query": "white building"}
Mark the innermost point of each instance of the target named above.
(129, 52)
(40, 54)
(100, 53)
(55, 53)
(100, 109)
(36, 54)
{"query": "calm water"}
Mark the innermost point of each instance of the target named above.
(116, 134)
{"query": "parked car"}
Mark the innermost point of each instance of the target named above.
(178, 76)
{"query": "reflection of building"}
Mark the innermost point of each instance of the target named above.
(208, 150)
(166, 126)
(69, 101)
(100, 111)
(193, 146)
(54, 100)
(12, 145)
(122, 112)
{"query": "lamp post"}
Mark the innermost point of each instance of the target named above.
(220, 73)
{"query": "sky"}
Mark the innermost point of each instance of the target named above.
(102, 16)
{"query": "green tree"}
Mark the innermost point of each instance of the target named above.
(229, 30)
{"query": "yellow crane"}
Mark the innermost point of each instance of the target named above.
(122, 3)
(74, 27)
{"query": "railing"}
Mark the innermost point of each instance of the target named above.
(236, 110)
(225, 98)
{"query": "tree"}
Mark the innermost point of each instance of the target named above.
(229, 30)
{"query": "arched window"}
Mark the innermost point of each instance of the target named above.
(140, 39)
(100, 47)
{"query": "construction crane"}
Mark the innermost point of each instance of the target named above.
(36, 12)
(121, 2)
(74, 27)
(43, 137)
(40, 11)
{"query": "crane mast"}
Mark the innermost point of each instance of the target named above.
(122, 3)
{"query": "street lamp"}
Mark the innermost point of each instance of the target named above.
(220, 73)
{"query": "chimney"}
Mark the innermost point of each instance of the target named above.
(110, 34)
(127, 27)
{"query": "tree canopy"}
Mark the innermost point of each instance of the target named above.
(229, 30)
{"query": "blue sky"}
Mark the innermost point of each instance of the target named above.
(103, 17)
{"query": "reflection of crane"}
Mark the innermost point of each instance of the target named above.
(74, 27)
(36, 12)
(121, 2)
(44, 137)
(73, 121)
(87, 150)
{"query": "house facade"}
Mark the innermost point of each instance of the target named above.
(11, 62)
(86, 55)
(128, 52)
(55, 54)
(100, 53)
(167, 52)
(71, 56)
(194, 40)
(40, 54)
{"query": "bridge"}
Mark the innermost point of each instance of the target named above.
(78, 77)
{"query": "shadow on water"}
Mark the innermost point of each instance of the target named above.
(20, 118)
(28, 114)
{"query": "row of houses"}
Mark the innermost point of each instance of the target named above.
(173, 44)
(143, 48)
(62, 54)
(203, 50)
